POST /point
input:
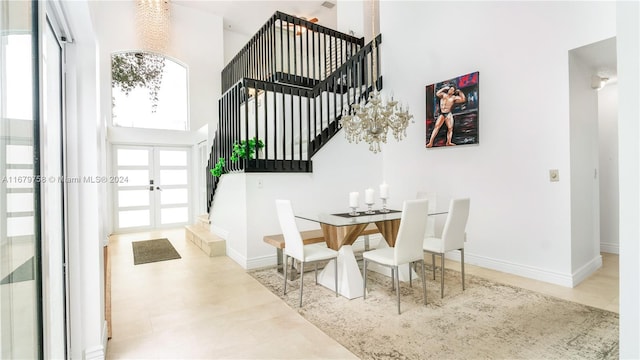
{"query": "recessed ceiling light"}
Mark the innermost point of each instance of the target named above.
(328, 5)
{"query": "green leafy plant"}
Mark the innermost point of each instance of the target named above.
(246, 149)
(241, 150)
(136, 69)
(218, 169)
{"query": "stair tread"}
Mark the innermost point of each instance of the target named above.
(203, 234)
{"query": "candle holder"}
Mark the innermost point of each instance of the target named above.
(370, 209)
(384, 206)
(353, 211)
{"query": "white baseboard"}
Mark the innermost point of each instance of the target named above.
(586, 270)
(531, 272)
(105, 336)
(95, 353)
(262, 261)
(237, 257)
(611, 248)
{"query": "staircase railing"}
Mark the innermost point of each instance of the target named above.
(293, 122)
(290, 50)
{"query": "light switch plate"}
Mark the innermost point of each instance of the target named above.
(554, 175)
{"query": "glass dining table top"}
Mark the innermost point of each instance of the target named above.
(344, 219)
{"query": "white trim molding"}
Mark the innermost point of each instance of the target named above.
(95, 353)
(586, 270)
(532, 272)
(611, 248)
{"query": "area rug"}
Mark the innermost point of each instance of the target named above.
(23, 272)
(486, 321)
(149, 251)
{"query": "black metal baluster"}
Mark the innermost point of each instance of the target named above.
(295, 53)
(299, 125)
(266, 123)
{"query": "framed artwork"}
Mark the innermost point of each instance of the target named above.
(452, 111)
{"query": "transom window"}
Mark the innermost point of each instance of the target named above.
(149, 91)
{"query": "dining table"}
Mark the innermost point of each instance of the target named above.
(340, 231)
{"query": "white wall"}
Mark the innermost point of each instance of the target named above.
(608, 168)
(519, 222)
(584, 185)
(233, 43)
(350, 17)
(628, 54)
(337, 170)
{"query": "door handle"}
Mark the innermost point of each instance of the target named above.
(158, 188)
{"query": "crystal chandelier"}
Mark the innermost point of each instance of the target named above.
(153, 18)
(371, 122)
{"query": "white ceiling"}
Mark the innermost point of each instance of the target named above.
(247, 16)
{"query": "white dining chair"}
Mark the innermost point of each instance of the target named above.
(453, 238)
(407, 249)
(294, 247)
(431, 220)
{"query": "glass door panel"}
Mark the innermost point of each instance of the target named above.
(133, 157)
(134, 218)
(128, 198)
(173, 177)
(174, 215)
(174, 196)
(20, 244)
(173, 158)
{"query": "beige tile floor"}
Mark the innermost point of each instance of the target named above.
(209, 308)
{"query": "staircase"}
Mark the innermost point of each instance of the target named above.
(200, 235)
(289, 89)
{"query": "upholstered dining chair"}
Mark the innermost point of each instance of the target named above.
(431, 220)
(453, 238)
(408, 246)
(294, 247)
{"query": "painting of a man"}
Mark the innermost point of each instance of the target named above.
(454, 104)
(449, 96)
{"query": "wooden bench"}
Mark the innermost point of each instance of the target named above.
(308, 237)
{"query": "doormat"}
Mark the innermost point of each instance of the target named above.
(149, 251)
(23, 272)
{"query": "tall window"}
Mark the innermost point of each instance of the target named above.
(149, 91)
(20, 276)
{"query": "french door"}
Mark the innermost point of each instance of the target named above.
(151, 187)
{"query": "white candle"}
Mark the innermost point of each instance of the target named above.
(353, 199)
(368, 196)
(384, 191)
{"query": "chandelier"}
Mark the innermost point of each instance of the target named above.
(153, 24)
(372, 121)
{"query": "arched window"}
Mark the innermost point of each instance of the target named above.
(149, 91)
